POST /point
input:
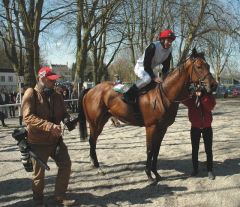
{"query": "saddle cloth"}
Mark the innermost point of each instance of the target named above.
(122, 88)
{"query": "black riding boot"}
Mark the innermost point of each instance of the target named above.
(131, 94)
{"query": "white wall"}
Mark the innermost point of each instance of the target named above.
(10, 83)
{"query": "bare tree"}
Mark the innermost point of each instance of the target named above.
(11, 37)
(109, 38)
(210, 16)
(26, 27)
(89, 14)
(219, 52)
(144, 20)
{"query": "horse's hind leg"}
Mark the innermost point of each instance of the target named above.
(148, 166)
(95, 131)
(93, 154)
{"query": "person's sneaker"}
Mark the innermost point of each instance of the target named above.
(194, 173)
(211, 176)
(64, 201)
(38, 203)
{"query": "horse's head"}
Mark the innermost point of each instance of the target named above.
(200, 72)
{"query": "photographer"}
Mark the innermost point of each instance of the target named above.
(43, 110)
(200, 108)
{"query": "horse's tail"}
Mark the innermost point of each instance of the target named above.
(81, 116)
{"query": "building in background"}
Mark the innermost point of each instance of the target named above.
(229, 81)
(8, 79)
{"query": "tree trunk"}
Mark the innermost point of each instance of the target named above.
(29, 72)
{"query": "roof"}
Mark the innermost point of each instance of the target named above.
(7, 70)
(61, 67)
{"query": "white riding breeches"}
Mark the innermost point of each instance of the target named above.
(142, 75)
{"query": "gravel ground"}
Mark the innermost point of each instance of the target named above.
(122, 181)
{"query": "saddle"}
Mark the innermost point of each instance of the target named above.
(147, 88)
(120, 88)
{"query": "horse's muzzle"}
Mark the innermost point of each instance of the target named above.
(211, 88)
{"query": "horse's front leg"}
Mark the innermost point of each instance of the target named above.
(149, 138)
(148, 165)
(156, 143)
(154, 139)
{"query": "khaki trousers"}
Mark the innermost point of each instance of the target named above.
(63, 163)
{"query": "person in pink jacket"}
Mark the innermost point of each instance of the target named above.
(200, 108)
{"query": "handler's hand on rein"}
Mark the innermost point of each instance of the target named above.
(198, 93)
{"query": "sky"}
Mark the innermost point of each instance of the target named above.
(57, 51)
(55, 48)
(60, 53)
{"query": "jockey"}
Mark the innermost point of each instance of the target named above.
(158, 52)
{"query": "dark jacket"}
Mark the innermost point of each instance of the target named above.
(7, 99)
(149, 53)
(201, 117)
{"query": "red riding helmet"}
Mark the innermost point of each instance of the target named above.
(167, 33)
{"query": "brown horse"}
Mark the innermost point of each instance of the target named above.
(158, 107)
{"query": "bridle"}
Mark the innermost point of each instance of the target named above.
(199, 85)
(194, 86)
(201, 79)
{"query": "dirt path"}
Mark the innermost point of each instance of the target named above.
(121, 152)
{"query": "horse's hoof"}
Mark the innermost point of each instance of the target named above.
(150, 179)
(83, 139)
(152, 183)
(94, 163)
(100, 171)
(158, 178)
(149, 175)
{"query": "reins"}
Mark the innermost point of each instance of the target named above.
(195, 86)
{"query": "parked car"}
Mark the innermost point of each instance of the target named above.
(236, 90)
(221, 92)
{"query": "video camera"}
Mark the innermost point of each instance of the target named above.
(71, 123)
(20, 136)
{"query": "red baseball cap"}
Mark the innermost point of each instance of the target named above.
(47, 72)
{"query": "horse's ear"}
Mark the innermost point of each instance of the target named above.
(194, 52)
